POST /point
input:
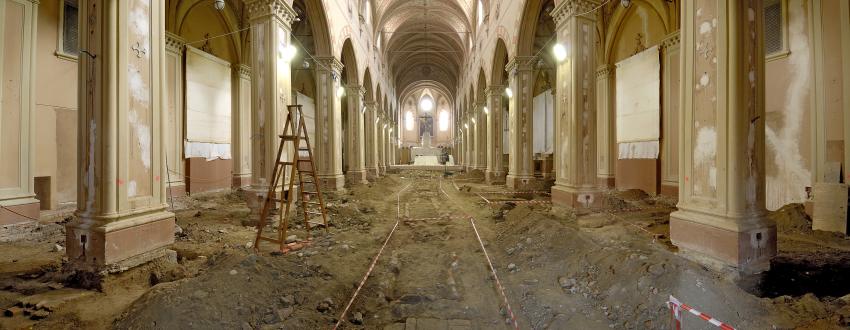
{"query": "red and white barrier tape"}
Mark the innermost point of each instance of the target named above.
(516, 192)
(520, 202)
(435, 218)
(676, 307)
(495, 277)
(372, 266)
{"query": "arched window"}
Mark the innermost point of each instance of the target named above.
(480, 12)
(444, 120)
(408, 120)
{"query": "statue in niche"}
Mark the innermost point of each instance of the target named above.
(206, 46)
(640, 46)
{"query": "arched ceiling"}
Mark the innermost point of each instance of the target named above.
(424, 39)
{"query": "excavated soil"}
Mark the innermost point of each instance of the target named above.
(612, 267)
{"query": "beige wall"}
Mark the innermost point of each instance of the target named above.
(56, 109)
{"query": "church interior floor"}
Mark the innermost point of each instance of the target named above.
(432, 239)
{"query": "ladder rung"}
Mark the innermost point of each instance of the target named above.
(314, 212)
(305, 160)
(289, 137)
(303, 149)
(286, 163)
(269, 239)
(313, 203)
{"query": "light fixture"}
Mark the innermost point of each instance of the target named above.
(466, 126)
(287, 53)
(625, 3)
(219, 4)
(486, 111)
(340, 91)
(473, 121)
(560, 52)
(509, 92)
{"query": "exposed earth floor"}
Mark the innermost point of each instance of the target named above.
(553, 268)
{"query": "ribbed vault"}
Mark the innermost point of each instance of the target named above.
(424, 39)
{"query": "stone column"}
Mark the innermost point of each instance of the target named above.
(575, 108)
(370, 122)
(381, 143)
(521, 165)
(495, 173)
(241, 126)
(480, 135)
(328, 144)
(606, 125)
(354, 140)
(121, 218)
(270, 22)
(174, 161)
(18, 42)
(722, 218)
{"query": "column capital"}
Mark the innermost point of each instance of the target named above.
(328, 63)
(521, 63)
(494, 90)
(243, 70)
(174, 43)
(570, 8)
(671, 40)
(259, 9)
(605, 70)
(370, 104)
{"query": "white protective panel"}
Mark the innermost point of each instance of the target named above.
(639, 97)
(544, 108)
(208, 99)
(208, 151)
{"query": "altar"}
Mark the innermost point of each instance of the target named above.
(425, 154)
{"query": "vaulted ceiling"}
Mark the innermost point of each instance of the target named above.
(424, 39)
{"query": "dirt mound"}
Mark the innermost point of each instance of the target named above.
(632, 194)
(792, 218)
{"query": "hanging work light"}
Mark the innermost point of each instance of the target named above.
(509, 92)
(486, 111)
(340, 92)
(560, 52)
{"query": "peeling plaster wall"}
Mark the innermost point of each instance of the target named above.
(788, 111)
(56, 109)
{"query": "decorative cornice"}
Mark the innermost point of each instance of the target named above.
(671, 40)
(355, 90)
(329, 63)
(174, 43)
(243, 70)
(260, 9)
(521, 63)
(570, 8)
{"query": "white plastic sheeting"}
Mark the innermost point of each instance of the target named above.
(543, 127)
(206, 150)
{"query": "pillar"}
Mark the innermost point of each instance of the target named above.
(575, 108)
(722, 218)
(480, 135)
(328, 144)
(495, 173)
(370, 122)
(355, 136)
(270, 22)
(17, 108)
(521, 166)
(381, 143)
(176, 166)
(121, 218)
(241, 126)
(606, 125)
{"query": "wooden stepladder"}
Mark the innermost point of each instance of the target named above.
(300, 163)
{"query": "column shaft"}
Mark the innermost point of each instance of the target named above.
(121, 218)
(575, 108)
(355, 148)
(521, 164)
(495, 169)
(480, 135)
(371, 141)
(722, 218)
(174, 161)
(241, 126)
(327, 149)
(606, 125)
